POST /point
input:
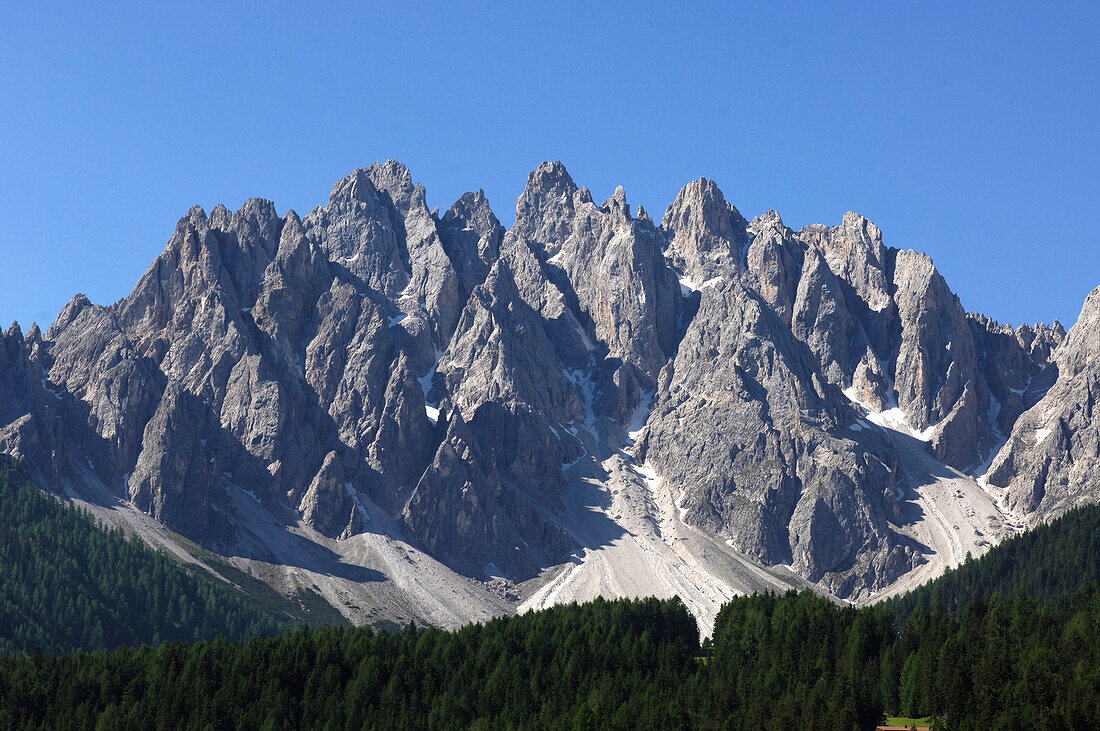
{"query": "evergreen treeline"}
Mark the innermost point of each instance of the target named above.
(67, 584)
(796, 661)
(619, 664)
(953, 649)
(1002, 664)
(1048, 563)
(800, 662)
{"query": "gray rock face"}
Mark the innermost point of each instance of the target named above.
(937, 374)
(822, 320)
(360, 233)
(463, 380)
(707, 233)
(774, 263)
(505, 382)
(328, 504)
(545, 211)
(352, 365)
(176, 478)
(471, 235)
(464, 511)
(855, 253)
(502, 352)
(760, 463)
(269, 329)
(378, 225)
(1016, 364)
(28, 405)
(625, 293)
(1049, 463)
(98, 365)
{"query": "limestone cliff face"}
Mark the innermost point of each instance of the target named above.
(744, 424)
(449, 373)
(1051, 461)
(706, 234)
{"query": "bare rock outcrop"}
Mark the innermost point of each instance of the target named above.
(463, 381)
(1049, 463)
(707, 234)
(936, 372)
(466, 513)
(762, 462)
(329, 503)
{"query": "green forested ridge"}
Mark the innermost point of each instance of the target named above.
(67, 584)
(612, 663)
(796, 661)
(1049, 563)
(953, 649)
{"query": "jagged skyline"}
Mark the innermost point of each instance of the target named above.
(960, 132)
(374, 396)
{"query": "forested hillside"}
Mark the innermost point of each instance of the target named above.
(796, 661)
(1049, 563)
(620, 664)
(66, 584)
(975, 660)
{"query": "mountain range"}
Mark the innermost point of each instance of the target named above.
(433, 417)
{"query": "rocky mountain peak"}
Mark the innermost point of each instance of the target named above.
(472, 210)
(374, 381)
(471, 235)
(394, 179)
(545, 211)
(550, 179)
(617, 203)
(773, 263)
(855, 253)
(195, 214)
(701, 204)
(707, 233)
(770, 220)
(858, 227)
(68, 313)
(257, 221)
(1081, 347)
(34, 335)
(356, 187)
(1049, 460)
(220, 217)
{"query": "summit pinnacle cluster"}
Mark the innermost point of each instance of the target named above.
(450, 419)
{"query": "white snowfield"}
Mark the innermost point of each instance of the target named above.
(628, 519)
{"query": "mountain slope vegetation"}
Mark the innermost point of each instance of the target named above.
(67, 584)
(954, 649)
(792, 661)
(1049, 563)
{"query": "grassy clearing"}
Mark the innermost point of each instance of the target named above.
(905, 721)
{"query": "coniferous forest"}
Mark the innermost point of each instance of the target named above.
(796, 661)
(66, 584)
(1049, 563)
(954, 649)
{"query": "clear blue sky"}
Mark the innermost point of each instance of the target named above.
(967, 131)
